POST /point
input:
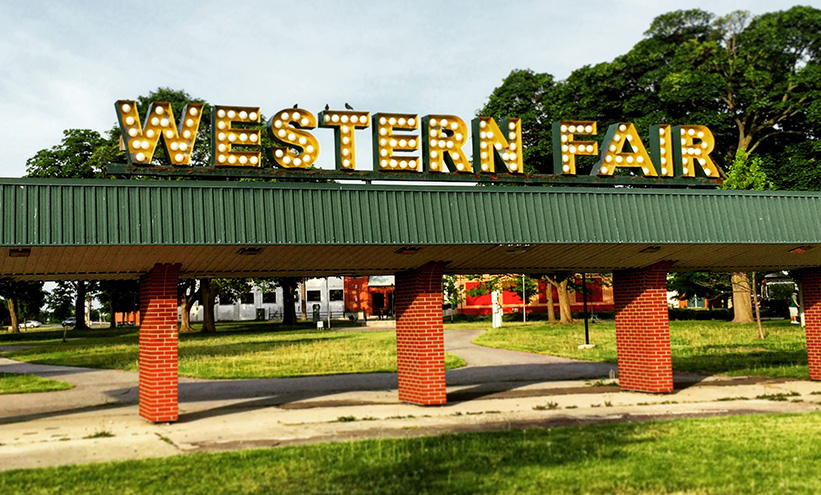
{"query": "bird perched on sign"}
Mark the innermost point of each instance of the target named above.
(348, 106)
(327, 107)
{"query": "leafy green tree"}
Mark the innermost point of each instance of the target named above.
(707, 285)
(120, 296)
(21, 299)
(452, 291)
(61, 301)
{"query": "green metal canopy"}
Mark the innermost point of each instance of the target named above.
(67, 229)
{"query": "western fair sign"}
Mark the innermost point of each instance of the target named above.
(675, 151)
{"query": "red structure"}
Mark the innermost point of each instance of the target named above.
(642, 329)
(158, 343)
(599, 298)
(420, 336)
(361, 296)
(811, 295)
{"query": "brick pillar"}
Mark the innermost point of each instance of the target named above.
(811, 298)
(642, 329)
(158, 343)
(420, 338)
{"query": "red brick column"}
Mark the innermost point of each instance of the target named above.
(420, 337)
(158, 343)
(642, 329)
(811, 296)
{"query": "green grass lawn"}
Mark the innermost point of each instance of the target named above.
(14, 383)
(773, 454)
(697, 346)
(237, 350)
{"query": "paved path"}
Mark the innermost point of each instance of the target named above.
(498, 389)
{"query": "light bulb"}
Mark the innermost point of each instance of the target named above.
(125, 108)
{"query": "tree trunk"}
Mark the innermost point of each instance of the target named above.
(185, 316)
(742, 307)
(564, 304)
(80, 306)
(208, 295)
(288, 310)
(15, 323)
(303, 303)
(551, 311)
(113, 323)
(757, 310)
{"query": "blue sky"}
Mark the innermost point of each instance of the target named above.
(64, 64)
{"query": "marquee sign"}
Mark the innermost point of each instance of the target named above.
(675, 152)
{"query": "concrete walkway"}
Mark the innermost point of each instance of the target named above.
(497, 389)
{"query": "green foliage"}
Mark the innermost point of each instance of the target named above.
(61, 301)
(453, 293)
(72, 158)
(747, 173)
(509, 282)
(707, 285)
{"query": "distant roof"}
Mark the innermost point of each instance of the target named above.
(381, 280)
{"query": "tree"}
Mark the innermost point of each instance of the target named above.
(560, 281)
(708, 285)
(452, 291)
(189, 291)
(22, 299)
(507, 282)
(61, 301)
(121, 296)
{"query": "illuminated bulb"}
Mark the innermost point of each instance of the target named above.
(183, 146)
(662, 141)
(483, 145)
(164, 122)
(169, 134)
(129, 120)
(589, 148)
(243, 137)
(612, 148)
(563, 128)
(307, 159)
(455, 155)
(433, 122)
(441, 143)
(221, 124)
(403, 164)
(221, 158)
(403, 143)
(125, 108)
(412, 164)
(616, 137)
(305, 121)
(155, 121)
(629, 137)
(700, 134)
(178, 157)
(565, 168)
(629, 159)
(254, 160)
(221, 113)
(383, 131)
(175, 146)
(703, 162)
(297, 161)
(393, 143)
(484, 167)
(608, 158)
(393, 163)
(454, 126)
(482, 124)
(511, 136)
(564, 138)
(433, 133)
(588, 129)
(572, 149)
(683, 141)
(683, 132)
(291, 136)
(691, 132)
(604, 170)
(622, 127)
(327, 118)
(505, 157)
(484, 155)
(232, 137)
(279, 153)
(346, 152)
(346, 140)
(383, 163)
(490, 134)
(663, 160)
(434, 166)
(222, 148)
(231, 115)
(243, 160)
(619, 159)
(663, 170)
(132, 132)
(243, 115)
(186, 134)
(691, 151)
(433, 154)
(498, 146)
(411, 122)
(252, 116)
(458, 136)
(310, 149)
(277, 124)
(159, 110)
(383, 120)
(565, 158)
(383, 142)
(449, 144)
(706, 171)
(640, 159)
(571, 129)
(192, 111)
(140, 157)
(346, 163)
(412, 143)
(295, 116)
(345, 129)
(286, 160)
(645, 170)
(383, 152)
(444, 122)
(684, 170)
(392, 121)
(698, 151)
(460, 167)
(285, 116)
(401, 121)
(253, 138)
(564, 148)
(704, 144)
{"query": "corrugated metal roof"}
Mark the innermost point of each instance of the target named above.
(109, 212)
(120, 228)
